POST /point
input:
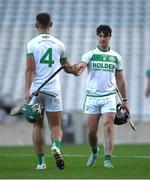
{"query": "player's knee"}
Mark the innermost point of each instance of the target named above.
(108, 125)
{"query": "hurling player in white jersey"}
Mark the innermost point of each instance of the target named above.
(45, 54)
(105, 71)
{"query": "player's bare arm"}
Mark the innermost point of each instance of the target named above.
(68, 68)
(122, 87)
(29, 74)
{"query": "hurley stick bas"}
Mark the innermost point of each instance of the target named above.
(15, 110)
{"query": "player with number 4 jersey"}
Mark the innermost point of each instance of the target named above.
(45, 54)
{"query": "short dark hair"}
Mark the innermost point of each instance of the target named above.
(44, 19)
(105, 29)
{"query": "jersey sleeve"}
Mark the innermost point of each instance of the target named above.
(120, 63)
(63, 52)
(86, 58)
(29, 51)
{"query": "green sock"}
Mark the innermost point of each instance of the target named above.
(107, 157)
(41, 159)
(56, 143)
(95, 150)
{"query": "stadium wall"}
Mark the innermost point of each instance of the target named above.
(74, 132)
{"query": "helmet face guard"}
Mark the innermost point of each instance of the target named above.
(32, 112)
(121, 115)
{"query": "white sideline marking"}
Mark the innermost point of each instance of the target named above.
(72, 155)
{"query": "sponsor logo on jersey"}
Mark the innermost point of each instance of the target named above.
(103, 66)
(104, 62)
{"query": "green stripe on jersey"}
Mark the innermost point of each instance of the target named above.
(29, 54)
(104, 58)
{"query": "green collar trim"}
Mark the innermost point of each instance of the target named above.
(43, 33)
(104, 50)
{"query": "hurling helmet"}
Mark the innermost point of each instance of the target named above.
(121, 115)
(32, 112)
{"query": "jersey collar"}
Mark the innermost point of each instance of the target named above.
(103, 50)
(43, 33)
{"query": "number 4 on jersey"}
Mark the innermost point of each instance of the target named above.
(47, 58)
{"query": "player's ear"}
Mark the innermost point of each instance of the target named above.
(36, 25)
(51, 23)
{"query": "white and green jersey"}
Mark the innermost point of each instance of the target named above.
(47, 52)
(102, 66)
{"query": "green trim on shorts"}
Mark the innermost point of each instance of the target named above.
(84, 104)
(96, 95)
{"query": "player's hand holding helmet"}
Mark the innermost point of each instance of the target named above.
(124, 105)
(32, 112)
(122, 115)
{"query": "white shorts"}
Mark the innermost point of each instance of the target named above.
(100, 105)
(48, 103)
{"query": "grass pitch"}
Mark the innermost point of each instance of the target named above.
(130, 162)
